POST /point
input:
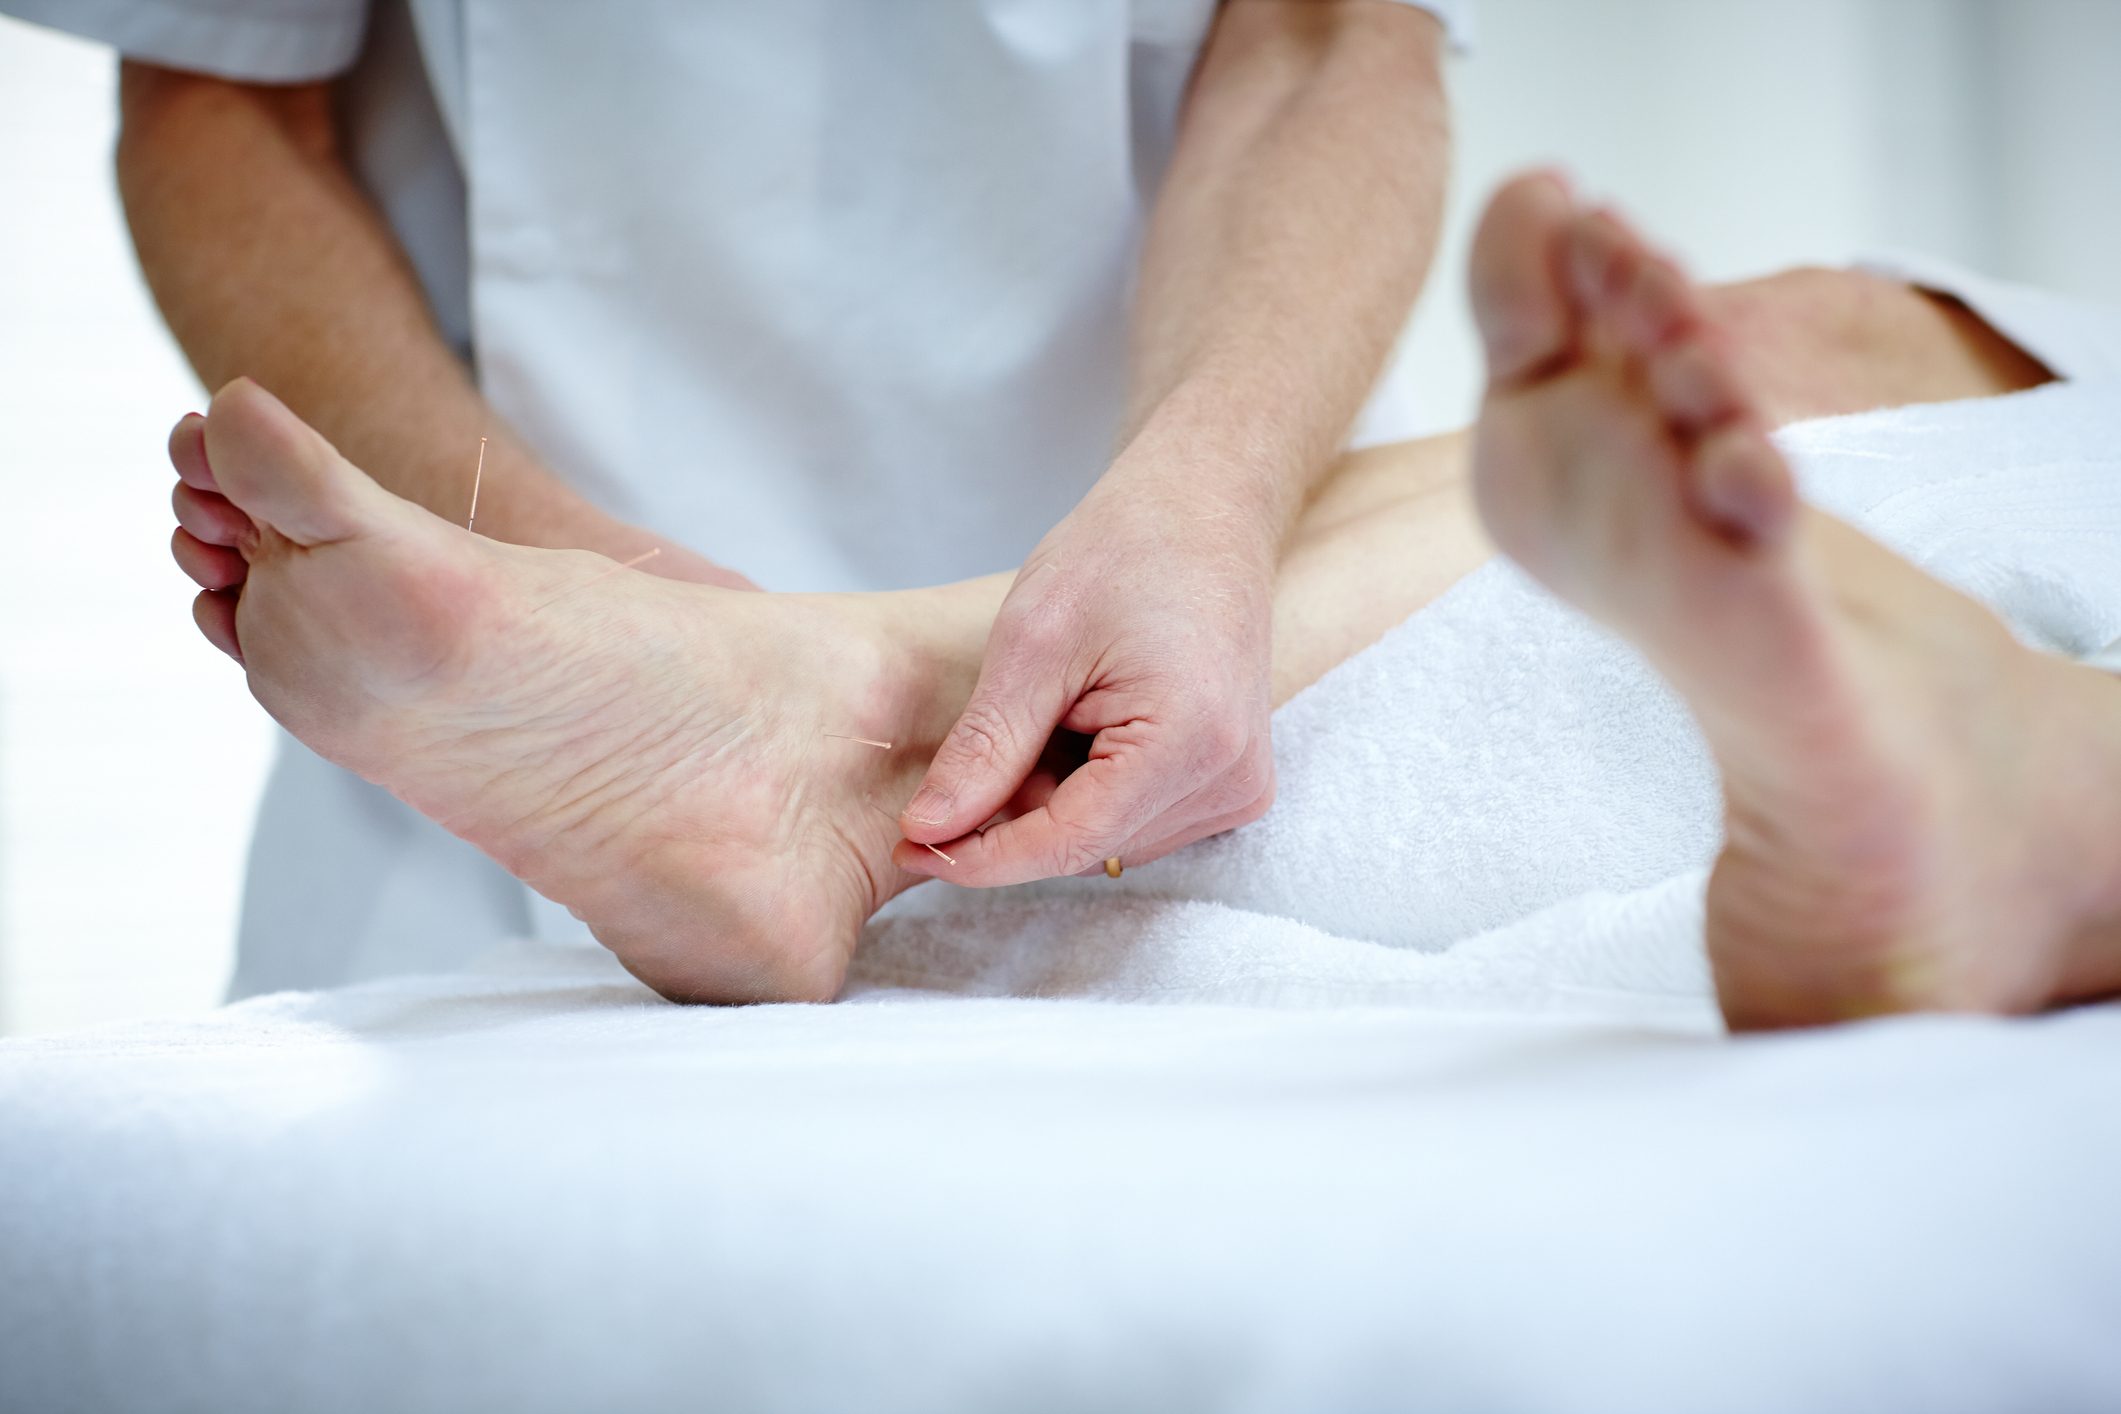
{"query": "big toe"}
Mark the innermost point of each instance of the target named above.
(1517, 278)
(282, 473)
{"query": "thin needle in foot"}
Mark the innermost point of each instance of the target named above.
(644, 556)
(478, 473)
(894, 820)
(879, 745)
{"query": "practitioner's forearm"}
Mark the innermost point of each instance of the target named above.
(1386, 532)
(1293, 233)
(268, 261)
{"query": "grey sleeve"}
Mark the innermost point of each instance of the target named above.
(257, 41)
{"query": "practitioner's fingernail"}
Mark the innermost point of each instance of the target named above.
(929, 806)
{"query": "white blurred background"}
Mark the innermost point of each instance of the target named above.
(1747, 134)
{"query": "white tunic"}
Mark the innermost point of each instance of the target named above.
(834, 291)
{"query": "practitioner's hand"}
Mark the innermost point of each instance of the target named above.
(1143, 621)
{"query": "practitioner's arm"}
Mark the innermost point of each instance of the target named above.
(1291, 237)
(267, 260)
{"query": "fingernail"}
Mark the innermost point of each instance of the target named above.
(929, 806)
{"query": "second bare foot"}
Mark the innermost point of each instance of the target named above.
(1921, 812)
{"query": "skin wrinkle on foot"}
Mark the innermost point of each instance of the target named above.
(478, 474)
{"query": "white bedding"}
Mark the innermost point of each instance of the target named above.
(1420, 1104)
(542, 1190)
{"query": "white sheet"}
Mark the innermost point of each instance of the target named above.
(542, 1190)
(1538, 1179)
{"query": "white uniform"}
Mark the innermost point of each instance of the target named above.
(833, 290)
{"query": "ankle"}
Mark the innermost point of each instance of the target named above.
(932, 642)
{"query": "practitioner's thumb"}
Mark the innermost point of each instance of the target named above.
(985, 758)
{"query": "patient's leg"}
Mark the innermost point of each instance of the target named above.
(1819, 343)
(1921, 812)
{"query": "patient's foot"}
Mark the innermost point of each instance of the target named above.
(1921, 812)
(651, 754)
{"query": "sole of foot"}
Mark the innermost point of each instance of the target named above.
(651, 754)
(1922, 814)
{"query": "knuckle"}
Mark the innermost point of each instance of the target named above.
(1073, 856)
(983, 736)
(1077, 845)
(1040, 627)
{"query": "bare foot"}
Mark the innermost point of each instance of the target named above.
(1921, 812)
(653, 755)
(206, 517)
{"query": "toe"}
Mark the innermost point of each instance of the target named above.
(187, 452)
(1657, 306)
(1742, 486)
(215, 614)
(282, 473)
(1515, 277)
(209, 566)
(1695, 383)
(1602, 253)
(210, 516)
